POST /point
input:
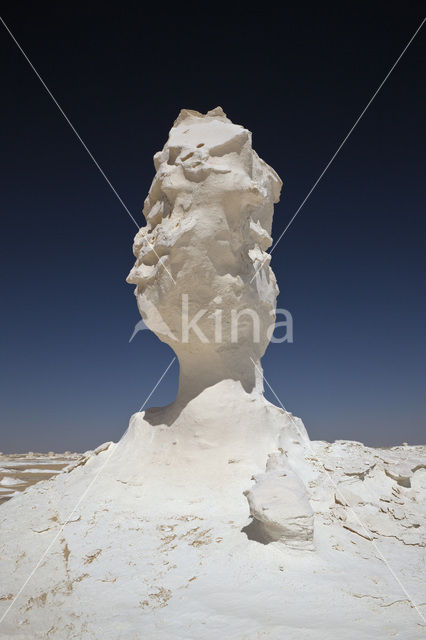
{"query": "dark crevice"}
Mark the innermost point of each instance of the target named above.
(255, 531)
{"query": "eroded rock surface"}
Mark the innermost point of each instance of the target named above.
(203, 253)
(165, 548)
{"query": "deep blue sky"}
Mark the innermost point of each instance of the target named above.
(351, 269)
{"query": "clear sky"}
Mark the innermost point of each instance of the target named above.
(351, 269)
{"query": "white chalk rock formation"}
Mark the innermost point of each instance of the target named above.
(209, 216)
(205, 287)
(280, 506)
(216, 517)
